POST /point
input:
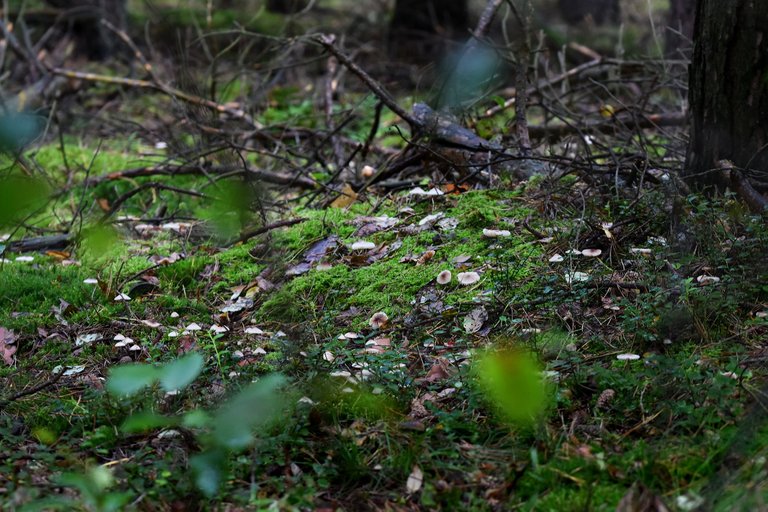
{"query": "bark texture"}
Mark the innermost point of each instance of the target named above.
(598, 11)
(83, 17)
(679, 31)
(728, 90)
(420, 27)
(286, 6)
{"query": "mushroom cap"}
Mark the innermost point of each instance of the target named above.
(496, 233)
(444, 277)
(362, 245)
(467, 278)
(378, 320)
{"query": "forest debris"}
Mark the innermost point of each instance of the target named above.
(474, 321)
(415, 480)
(7, 345)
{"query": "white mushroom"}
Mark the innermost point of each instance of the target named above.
(379, 320)
(495, 233)
(362, 245)
(467, 278)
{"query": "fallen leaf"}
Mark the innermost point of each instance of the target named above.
(474, 321)
(438, 372)
(415, 480)
(431, 219)
(347, 197)
(7, 345)
(424, 258)
(87, 339)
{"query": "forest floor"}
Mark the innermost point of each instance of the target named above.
(586, 339)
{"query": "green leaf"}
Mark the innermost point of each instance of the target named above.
(127, 380)
(514, 384)
(182, 372)
(145, 421)
(99, 242)
(256, 405)
(18, 130)
(196, 419)
(230, 210)
(209, 469)
(19, 197)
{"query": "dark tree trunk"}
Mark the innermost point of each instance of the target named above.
(94, 40)
(679, 32)
(598, 11)
(422, 26)
(728, 90)
(286, 6)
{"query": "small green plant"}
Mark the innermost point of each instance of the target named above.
(95, 494)
(226, 431)
(514, 384)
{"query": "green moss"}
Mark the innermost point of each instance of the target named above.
(28, 292)
(389, 285)
(568, 498)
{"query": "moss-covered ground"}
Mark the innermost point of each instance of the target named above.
(680, 419)
(600, 340)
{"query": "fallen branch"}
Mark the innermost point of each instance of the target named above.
(174, 170)
(756, 202)
(31, 391)
(237, 113)
(577, 70)
(40, 243)
(260, 231)
(608, 125)
(144, 186)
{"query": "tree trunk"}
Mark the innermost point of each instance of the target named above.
(93, 39)
(679, 30)
(286, 6)
(420, 27)
(596, 11)
(728, 90)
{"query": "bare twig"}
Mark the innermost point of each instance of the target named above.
(608, 125)
(548, 83)
(237, 113)
(173, 170)
(31, 391)
(259, 231)
(757, 202)
(485, 18)
(521, 77)
(327, 42)
(144, 186)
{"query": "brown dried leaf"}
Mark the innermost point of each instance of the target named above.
(7, 346)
